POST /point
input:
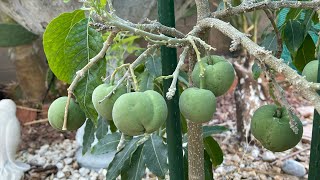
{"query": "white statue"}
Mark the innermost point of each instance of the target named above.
(9, 141)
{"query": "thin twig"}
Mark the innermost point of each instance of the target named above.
(276, 30)
(172, 89)
(290, 155)
(36, 122)
(29, 109)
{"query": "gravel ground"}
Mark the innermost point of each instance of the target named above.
(51, 153)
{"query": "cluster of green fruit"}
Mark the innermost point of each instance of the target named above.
(136, 113)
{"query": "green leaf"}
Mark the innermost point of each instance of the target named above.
(305, 53)
(256, 71)
(88, 136)
(153, 65)
(155, 154)
(145, 81)
(214, 150)
(314, 36)
(293, 14)
(209, 130)
(15, 35)
(185, 163)
(270, 42)
(122, 159)
(208, 174)
(102, 128)
(54, 39)
(103, 3)
(82, 44)
(293, 35)
(281, 18)
(107, 144)
(113, 127)
(137, 168)
(184, 124)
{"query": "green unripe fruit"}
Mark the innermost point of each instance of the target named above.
(271, 126)
(104, 108)
(197, 105)
(139, 112)
(219, 74)
(75, 119)
(311, 71)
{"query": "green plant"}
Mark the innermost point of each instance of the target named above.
(137, 113)
(103, 104)
(311, 71)
(271, 125)
(197, 105)
(76, 116)
(218, 77)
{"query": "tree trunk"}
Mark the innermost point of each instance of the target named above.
(248, 97)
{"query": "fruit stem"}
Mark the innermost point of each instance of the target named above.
(202, 68)
(113, 75)
(65, 119)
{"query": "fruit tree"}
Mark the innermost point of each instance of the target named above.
(137, 101)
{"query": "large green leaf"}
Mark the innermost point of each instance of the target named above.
(153, 65)
(107, 144)
(137, 167)
(281, 17)
(208, 174)
(145, 81)
(102, 128)
(293, 14)
(54, 39)
(88, 136)
(155, 155)
(15, 35)
(293, 35)
(305, 53)
(213, 149)
(82, 44)
(122, 159)
(209, 130)
(270, 42)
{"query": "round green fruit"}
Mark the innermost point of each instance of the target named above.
(219, 74)
(270, 125)
(197, 105)
(75, 119)
(311, 71)
(104, 108)
(136, 113)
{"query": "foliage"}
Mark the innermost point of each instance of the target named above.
(15, 35)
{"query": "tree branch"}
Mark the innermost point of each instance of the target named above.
(273, 5)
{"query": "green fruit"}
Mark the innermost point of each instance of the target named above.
(270, 125)
(75, 119)
(197, 105)
(311, 71)
(219, 74)
(139, 112)
(104, 108)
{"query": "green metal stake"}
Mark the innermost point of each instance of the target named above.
(314, 164)
(169, 63)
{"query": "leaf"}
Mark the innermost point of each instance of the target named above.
(103, 3)
(305, 53)
(137, 168)
(15, 35)
(82, 44)
(113, 127)
(54, 39)
(102, 128)
(185, 163)
(281, 18)
(256, 71)
(122, 159)
(153, 65)
(293, 14)
(145, 81)
(293, 35)
(207, 167)
(213, 149)
(107, 144)
(155, 154)
(88, 136)
(209, 130)
(314, 36)
(270, 42)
